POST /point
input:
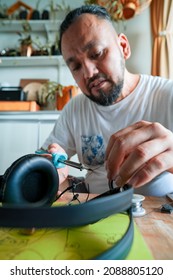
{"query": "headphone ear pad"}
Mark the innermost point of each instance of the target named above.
(31, 180)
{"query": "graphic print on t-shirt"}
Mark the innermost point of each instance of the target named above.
(93, 150)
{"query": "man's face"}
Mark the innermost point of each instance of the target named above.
(91, 49)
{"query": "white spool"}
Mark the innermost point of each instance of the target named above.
(137, 209)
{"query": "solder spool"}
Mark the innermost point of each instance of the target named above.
(137, 209)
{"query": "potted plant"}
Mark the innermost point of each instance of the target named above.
(68, 92)
(53, 96)
(26, 46)
(47, 95)
(41, 48)
(122, 9)
(114, 7)
(25, 40)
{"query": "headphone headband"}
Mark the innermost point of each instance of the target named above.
(19, 216)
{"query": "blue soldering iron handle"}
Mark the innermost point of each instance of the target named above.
(55, 158)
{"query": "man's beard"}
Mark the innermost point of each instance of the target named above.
(107, 98)
(110, 96)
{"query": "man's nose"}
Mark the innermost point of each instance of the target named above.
(89, 69)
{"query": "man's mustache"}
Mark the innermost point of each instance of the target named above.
(94, 78)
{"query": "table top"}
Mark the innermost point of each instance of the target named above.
(156, 227)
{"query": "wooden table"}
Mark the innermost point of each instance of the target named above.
(155, 227)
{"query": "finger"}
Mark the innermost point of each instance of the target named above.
(128, 143)
(123, 132)
(54, 148)
(151, 169)
(140, 155)
(123, 146)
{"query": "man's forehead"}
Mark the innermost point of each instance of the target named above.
(84, 27)
(86, 22)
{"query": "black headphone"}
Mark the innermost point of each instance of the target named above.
(29, 186)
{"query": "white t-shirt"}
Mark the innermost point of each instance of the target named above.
(85, 127)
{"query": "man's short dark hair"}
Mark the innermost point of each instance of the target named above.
(71, 17)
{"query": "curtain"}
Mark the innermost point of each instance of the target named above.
(162, 28)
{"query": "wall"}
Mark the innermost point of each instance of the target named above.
(137, 30)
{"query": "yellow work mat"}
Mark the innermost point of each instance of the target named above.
(80, 243)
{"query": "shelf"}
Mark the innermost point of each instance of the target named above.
(25, 61)
(21, 116)
(36, 25)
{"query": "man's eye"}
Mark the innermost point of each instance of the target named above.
(75, 67)
(96, 55)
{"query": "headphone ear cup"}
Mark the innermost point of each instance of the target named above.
(31, 180)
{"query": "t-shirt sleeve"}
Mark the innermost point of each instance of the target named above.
(62, 133)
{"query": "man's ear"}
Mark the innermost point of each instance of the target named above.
(124, 45)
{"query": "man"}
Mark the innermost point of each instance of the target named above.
(121, 126)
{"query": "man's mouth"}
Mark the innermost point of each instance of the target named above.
(97, 84)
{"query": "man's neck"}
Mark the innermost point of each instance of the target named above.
(130, 83)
